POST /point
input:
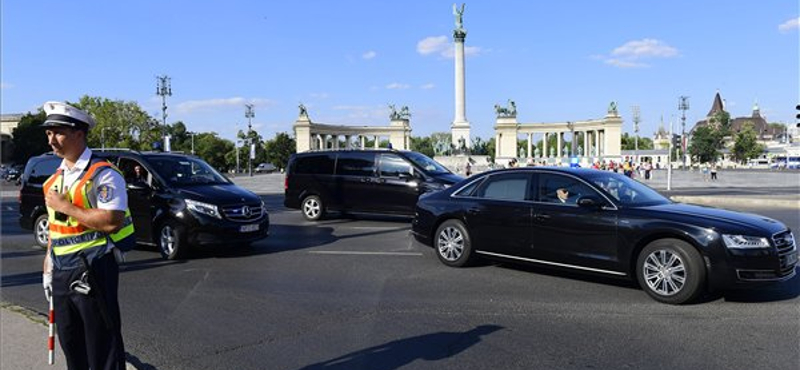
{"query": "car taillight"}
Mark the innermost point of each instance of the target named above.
(286, 183)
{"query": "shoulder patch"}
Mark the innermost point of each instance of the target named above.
(105, 193)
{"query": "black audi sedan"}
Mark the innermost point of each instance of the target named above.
(604, 223)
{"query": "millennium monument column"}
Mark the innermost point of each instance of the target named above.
(460, 130)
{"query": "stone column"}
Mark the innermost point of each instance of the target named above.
(559, 152)
(530, 138)
(545, 153)
(363, 141)
(461, 127)
(302, 133)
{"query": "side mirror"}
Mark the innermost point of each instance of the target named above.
(138, 185)
(590, 202)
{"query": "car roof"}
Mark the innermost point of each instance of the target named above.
(579, 171)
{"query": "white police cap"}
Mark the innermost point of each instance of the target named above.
(64, 115)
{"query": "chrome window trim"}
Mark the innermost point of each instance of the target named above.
(611, 206)
(609, 272)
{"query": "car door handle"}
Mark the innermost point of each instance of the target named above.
(382, 181)
(541, 217)
(366, 179)
(474, 211)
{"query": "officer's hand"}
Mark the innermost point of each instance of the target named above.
(56, 201)
(119, 255)
(47, 284)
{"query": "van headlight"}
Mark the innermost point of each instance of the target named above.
(203, 208)
(745, 242)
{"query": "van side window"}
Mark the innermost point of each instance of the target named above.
(133, 171)
(393, 166)
(42, 170)
(318, 164)
(355, 164)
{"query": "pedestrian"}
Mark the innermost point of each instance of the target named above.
(704, 169)
(90, 225)
(714, 171)
(468, 168)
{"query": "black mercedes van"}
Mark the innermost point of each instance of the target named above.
(370, 181)
(176, 201)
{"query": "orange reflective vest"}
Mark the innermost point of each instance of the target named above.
(68, 237)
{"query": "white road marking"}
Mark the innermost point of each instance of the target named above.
(356, 253)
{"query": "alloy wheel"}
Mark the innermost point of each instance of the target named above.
(311, 208)
(664, 272)
(167, 240)
(450, 243)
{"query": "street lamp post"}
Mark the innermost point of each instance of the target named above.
(683, 105)
(192, 133)
(249, 114)
(636, 120)
(164, 89)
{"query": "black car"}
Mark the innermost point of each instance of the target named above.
(176, 200)
(604, 223)
(372, 181)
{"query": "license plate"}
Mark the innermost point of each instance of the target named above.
(248, 228)
(791, 259)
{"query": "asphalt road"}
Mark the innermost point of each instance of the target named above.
(359, 293)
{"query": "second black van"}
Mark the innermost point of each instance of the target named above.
(371, 181)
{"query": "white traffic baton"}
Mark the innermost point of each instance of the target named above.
(51, 340)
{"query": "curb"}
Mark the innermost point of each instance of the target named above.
(718, 200)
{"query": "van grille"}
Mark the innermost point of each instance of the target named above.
(243, 212)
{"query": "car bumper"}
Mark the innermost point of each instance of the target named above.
(750, 269)
(206, 232)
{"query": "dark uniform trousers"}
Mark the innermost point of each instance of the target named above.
(86, 339)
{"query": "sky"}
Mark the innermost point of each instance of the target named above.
(347, 60)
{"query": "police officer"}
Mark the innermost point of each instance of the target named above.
(90, 222)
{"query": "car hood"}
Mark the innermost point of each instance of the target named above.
(221, 194)
(447, 178)
(719, 218)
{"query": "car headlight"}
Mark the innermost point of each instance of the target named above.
(203, 208)
(745, 242)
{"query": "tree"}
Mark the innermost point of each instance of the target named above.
(423, 145)
(705, 143)
(746, 144)
(29, 138)
(120, 124)
(213, 149)
(628, 142)
(279, 149)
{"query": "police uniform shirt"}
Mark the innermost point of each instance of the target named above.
(108, 191)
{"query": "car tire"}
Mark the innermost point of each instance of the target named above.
(313, 208)
(171, 241)
(671, 271)
(41, 230)
(452, 244)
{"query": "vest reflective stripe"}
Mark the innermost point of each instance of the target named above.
(61, 229)
(69, 237)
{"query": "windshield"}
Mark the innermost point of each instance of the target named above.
(183, 171)
(626, 191)
(429, 165)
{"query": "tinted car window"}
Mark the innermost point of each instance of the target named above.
(392, 165)
(321, 164)
(505, 186)
(570, 189)
(469, 190)
(355, 164)
(128, 168)
(425, 162)
(43, 169)
(626, 191)
(186, 171)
